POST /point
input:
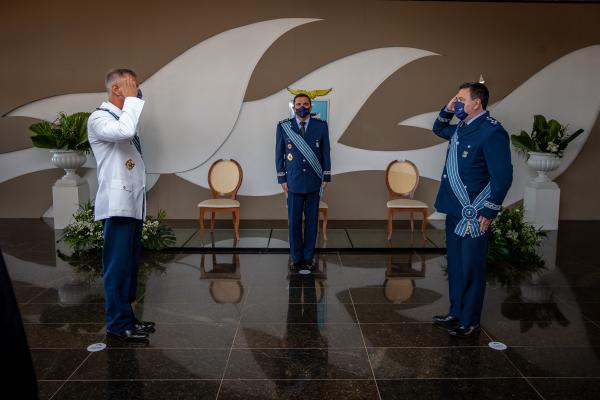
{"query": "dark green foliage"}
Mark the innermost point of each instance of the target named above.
(67, 132)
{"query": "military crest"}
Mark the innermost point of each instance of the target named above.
(129, 164)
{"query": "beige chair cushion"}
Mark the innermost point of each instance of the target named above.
(399, 290)
(226, 291)
(402, 177)
(406, 203)
(224, 176)
(219, 203)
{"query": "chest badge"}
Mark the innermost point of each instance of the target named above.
(290, 157)
(129, 164)
(289, 146)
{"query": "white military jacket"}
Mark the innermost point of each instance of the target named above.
(121, 170)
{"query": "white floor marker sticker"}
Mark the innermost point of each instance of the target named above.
(92, 348)
(497, 345)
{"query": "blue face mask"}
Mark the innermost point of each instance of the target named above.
(302, 112)
(459, 110)
(139, 94)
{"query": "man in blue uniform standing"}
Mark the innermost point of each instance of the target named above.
(475, 180)
(303, 170)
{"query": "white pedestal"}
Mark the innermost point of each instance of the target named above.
(67, 196)
(541, 204)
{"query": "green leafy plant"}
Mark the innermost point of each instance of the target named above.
(156, 235)
(85, 234)
(67, 132)
(545, 137)
(513, 245)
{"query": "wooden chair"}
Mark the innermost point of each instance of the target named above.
(400, 276)
(224, 179)
(323, 207)
(225, 279)
(402, 179)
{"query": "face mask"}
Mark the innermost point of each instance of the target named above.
(459, 110)
(302, 112)
(139, 94)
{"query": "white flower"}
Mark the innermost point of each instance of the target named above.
(552, 147)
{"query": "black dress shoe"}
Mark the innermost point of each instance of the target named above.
(128, 336)
(464, 331)
(144, 326)
(445, 321)
(298, 265)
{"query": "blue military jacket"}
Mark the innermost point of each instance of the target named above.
(292, 167)
(483, 156)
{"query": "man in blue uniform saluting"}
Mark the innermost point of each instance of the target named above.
(303, 170)
(475, 180)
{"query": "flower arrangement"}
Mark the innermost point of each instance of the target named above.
(545, 137)
(85, 234)
(512, 253)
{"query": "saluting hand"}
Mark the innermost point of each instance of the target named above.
(450, 105)
(128, 87)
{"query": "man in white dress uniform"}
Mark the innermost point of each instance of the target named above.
(121, 200)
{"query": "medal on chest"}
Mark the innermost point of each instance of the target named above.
(466, 152)
(129, 164)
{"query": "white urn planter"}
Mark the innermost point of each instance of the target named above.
(69, 160)
(541, 200)
(71, 191)
(543, 163)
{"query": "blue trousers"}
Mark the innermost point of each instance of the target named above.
(120, 257)
(302, 248)
(466, 273)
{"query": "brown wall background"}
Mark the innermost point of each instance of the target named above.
(65, 47)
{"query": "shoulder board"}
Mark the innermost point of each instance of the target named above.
(284, 120)
(492, 121)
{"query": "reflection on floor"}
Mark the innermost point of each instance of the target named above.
(337, 239)
(241, 326)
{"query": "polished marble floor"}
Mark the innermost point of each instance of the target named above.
(240, 326)
(338, 239)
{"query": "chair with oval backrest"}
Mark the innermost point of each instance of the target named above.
(225, 279)
(323, 211)
(224, 179)
(402, 179)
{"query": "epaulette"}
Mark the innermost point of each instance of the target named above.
(284, 120)
(492, 121)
